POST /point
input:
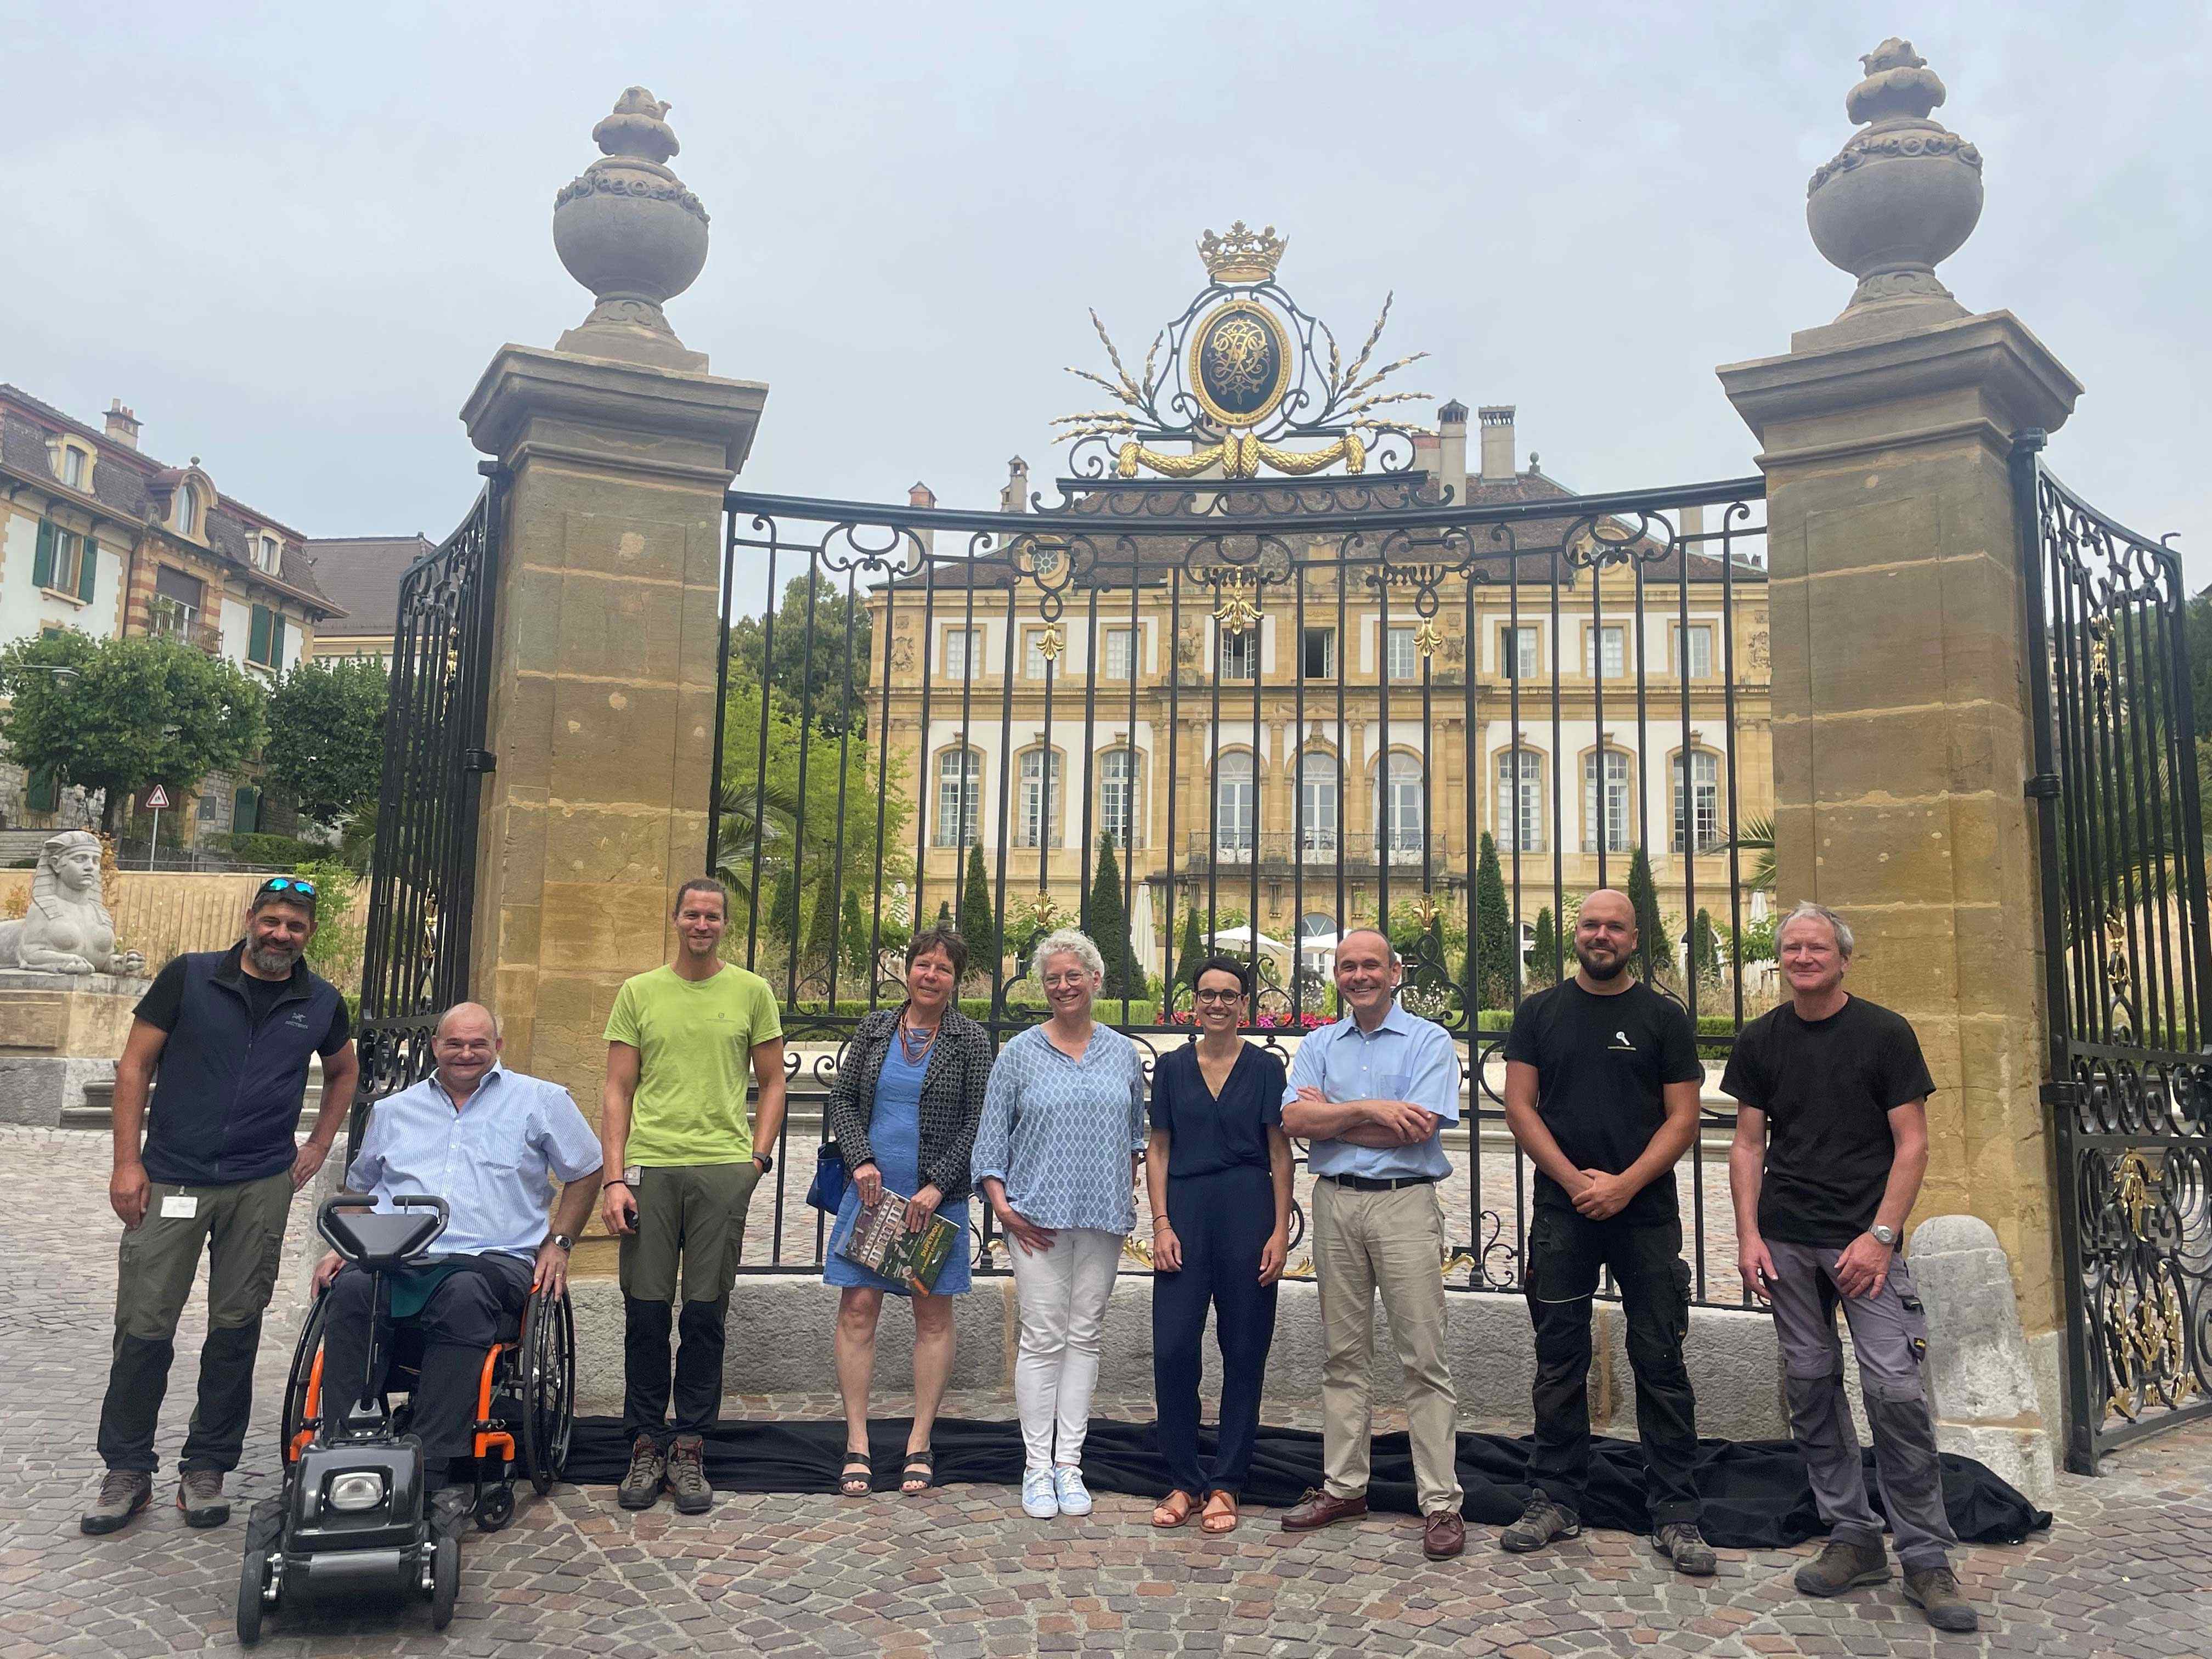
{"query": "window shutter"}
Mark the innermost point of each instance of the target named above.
(42, 564)
(275, 639)
(257, 639)
(245, 811)
(88, 567)
(40, 795)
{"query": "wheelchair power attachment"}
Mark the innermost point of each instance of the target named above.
(352, 1512)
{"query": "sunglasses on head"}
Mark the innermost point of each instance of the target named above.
(298, 884)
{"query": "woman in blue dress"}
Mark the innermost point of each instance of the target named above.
(903, 1110)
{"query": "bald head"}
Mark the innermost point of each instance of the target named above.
(1605, 936)
(1373, 937)
(469, 1016)
(465, 1046)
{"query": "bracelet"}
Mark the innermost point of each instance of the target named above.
(1162, 1225)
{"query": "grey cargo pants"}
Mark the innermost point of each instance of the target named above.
(1889, 1334)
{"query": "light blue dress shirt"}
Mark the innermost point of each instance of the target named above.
(1404, 1058)
(1059, 1132)
(492, 1162)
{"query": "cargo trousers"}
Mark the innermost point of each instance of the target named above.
(1889, 1336)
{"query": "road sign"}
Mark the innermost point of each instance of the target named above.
(157, 800)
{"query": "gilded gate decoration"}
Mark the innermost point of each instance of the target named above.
(2127, 970)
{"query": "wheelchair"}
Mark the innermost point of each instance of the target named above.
(352, 1512)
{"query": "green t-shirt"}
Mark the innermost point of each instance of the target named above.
(695, 1041)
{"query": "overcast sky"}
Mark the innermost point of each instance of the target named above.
(292, 237)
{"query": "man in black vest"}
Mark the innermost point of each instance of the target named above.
(230, 1034)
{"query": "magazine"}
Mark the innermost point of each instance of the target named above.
(880, 1242)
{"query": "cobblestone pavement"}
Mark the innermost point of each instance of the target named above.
(2126, 1570)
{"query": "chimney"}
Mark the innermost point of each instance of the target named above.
(1451, 448)
(122, 424)
(1015, 497)
(1497, 443)
(921, 495)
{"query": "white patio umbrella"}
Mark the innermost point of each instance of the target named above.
(1243, 938)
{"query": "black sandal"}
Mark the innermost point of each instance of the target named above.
(925, 1461)
(850, 1485)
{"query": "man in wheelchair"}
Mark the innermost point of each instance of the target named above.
(488, 1141)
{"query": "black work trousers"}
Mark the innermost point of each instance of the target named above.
(1221, 1221)
(698, 1370)
(458, 1324)
(1566, 1252)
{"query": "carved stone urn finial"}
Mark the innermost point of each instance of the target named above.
(627, 230)
(1901, 196)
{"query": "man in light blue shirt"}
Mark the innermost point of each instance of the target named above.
(488, 1141)
(1372, 1093)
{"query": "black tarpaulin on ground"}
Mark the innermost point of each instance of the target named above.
(1755, 1493)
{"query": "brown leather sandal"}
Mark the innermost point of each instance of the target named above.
(1219, 1521)
(1174, 1511)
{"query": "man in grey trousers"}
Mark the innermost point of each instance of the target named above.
(1842, 1087)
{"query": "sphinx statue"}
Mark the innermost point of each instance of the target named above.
(67, 930)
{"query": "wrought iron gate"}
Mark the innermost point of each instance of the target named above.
(416, 961)
(2126, 961)
(1333, 700)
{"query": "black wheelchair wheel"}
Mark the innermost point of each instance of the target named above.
(294, 1418)
(495, 1508)
(252, 1579)
(445, 1581)
(549, 1388)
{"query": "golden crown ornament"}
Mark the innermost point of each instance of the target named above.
(1240, 256)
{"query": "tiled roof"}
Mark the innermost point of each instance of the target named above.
(362, 573)
(121, 487)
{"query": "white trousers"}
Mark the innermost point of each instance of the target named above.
(1062, 1292)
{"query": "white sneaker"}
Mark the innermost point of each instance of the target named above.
(1040, 1502)
(1067, 1484)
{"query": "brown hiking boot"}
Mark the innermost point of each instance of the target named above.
(687, 1475)
(1935, 1591)
(123, 1493)
(199, 1495)
(1681, 1543)
(641, 1485)
(1843, 1564)
(1540, 1523)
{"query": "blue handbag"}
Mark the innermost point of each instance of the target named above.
(826, 1192)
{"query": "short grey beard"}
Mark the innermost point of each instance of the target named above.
(272, 958)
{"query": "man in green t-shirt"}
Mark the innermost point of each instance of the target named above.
(681, 1168)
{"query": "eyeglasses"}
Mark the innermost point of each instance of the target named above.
(1220, 996)
(298, 884)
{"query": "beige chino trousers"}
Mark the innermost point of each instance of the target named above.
(1391, 1242)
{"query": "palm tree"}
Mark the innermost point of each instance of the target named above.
(1757, 835)
(752, 814)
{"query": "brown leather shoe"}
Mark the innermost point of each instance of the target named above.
(1318, 1510)
(1444, 1535)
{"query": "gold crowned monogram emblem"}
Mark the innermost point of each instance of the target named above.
(1240, 256)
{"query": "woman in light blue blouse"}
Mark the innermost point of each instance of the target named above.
(1056, 1159)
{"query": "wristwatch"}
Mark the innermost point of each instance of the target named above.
(563, 1240)
(766, 1164)
(1883, 1235)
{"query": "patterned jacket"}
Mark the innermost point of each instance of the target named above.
(951, 1096)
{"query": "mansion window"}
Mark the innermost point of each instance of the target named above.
(76, 468)
(1317, 803)
(963, 652)
(1240, 655)
(1401, 810)
(1607, 645)
(1518, 653)
(959, 797)
(1117, 795)
(64, 563)
(174, 608)
(1605, 800)
(264, 638)
(1520, 801)
(1704, 799)
(1121, 653)
(185, 512)
(1317, 653)
(1235, 805)
(268, 554)
(1039, 823)
(1034, 664)
(1694, 652)
(1404, 664)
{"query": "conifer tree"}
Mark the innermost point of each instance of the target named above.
(1544, 953)
(1194, 951)
(1108, 924)
(1704, 950)
(1497, 943)
(978, 921)
(1655, 950)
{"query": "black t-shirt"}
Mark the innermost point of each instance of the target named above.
(1208, 1133)
(165, 997)
(1602, 1063)
(1827, 1087)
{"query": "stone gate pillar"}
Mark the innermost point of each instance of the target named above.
(1901, 725)
(619, 446)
